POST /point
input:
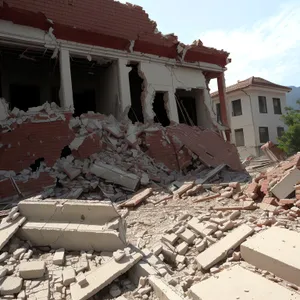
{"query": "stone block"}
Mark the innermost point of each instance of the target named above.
(32, 269)
(59, 257)
(219, 250)
(188, 236)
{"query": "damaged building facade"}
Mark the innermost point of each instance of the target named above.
(102, 58)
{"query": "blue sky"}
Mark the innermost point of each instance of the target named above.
(263, 36)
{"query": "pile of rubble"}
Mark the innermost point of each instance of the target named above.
(93, 156)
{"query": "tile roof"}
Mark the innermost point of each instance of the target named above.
(106, 23)
(252, 81)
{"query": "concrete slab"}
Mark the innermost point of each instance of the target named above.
(73, 211)
(286, 185)
(203, 228)
(115, 175)
(103, 276)
(239, 283)
(66, 223)
(8, 229)
(162, 290)
(275, 250)
(59, 235)
(219, 250)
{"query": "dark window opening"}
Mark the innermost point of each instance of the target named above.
(280, 131)
(236, 108)
(262, 102)
(135, 113)
(161, 115)
(277, 106)
(24, 96)
(84, 101)
(239, 137)
(186, 107)
(263, 134)
(218, 108)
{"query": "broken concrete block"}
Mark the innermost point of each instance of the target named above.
(59, 257)
(156, 250)
(219, 250)
(286, 185)
(71, 171)
(17, 253)
(202, 245)
(32, 269)
(3, 256)
(204, 229)
(188, 236)
(7, 230)
(86, 220)
(239, 283)
(227, 226)
(68, 276)
(11, 285)
(118, 255)
(275, 250)
(102, 276)
(163, 290)
(170, 238)
(81, 279)
(182, 248)
(115, 175)
(180, 259)
(141, 269)
(234, 215)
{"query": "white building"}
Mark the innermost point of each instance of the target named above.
(254, 110)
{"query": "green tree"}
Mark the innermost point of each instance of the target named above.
(289, 142)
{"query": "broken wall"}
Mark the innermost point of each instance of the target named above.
(163, 78)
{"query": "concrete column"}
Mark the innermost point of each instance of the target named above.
(172, 107)
(222, 97)
(66, 91)
(124, 85)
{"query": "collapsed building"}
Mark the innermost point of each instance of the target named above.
(103, 59)
(136, 190)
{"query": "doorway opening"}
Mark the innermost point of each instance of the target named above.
(159, 108)
(135, 113)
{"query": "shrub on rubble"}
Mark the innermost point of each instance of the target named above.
(290, 140)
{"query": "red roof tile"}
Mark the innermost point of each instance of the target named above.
(252, 81)
(105, 23)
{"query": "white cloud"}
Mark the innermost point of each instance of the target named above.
(269, 49)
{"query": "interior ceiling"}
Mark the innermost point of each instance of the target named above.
(36, 54)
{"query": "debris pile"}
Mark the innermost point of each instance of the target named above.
(47, 149)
